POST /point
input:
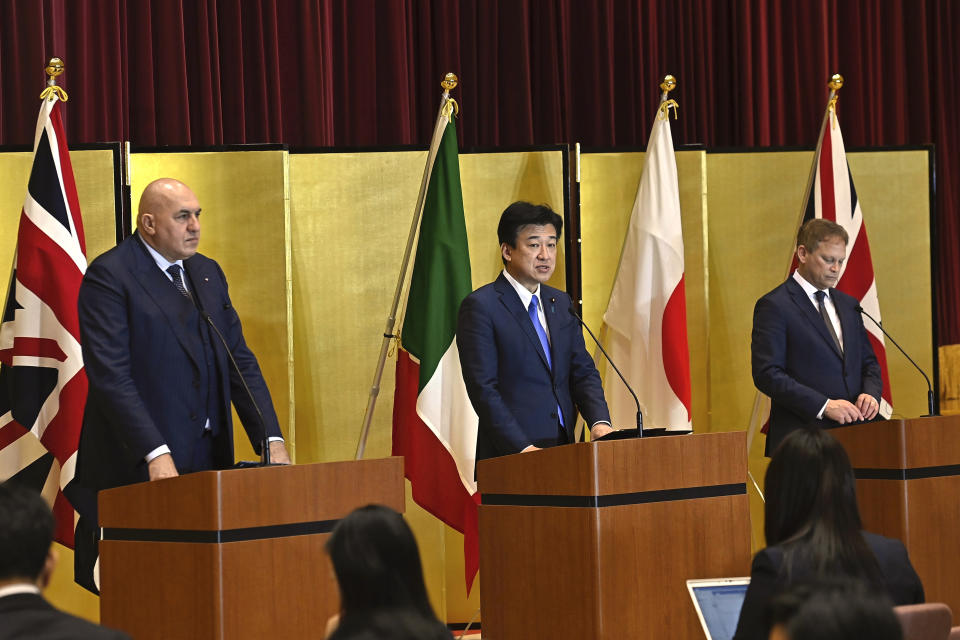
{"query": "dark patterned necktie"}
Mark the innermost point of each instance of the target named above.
(820, 295)
(174, 271)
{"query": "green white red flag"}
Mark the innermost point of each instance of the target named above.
(434, 424)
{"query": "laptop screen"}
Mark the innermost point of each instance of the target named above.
(718, 604)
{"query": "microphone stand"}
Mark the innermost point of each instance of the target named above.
(931, 411)
(604, 352)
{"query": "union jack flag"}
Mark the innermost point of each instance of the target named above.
(832, 196)
(43, 387)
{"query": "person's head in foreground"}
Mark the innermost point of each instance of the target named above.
(26, 535)
(811, 508)
(832, 610)
(377, 566)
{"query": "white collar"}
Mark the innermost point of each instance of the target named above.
(525, 294)
(162, 262)
(808, 288)
(23, 587)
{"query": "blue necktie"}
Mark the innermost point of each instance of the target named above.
(542, 334)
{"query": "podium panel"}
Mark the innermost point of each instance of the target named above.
(597, 540)
(232, 554)
(908, 486)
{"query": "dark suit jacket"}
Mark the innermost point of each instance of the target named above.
(26, 616)
(145, 367)
(797, 364)
(511, 387)
(900, 582)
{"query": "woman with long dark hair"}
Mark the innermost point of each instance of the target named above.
(382, 593)
(813, 530)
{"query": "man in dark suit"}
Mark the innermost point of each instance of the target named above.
(27, 560)
(522, 354)
(810, 350)
(161, 382)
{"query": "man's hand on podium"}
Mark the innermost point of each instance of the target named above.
(162, 467)
(278, 453)
(599, 430)
(842, 411)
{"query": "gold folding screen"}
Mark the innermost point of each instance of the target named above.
(311, 246)
(350, 217)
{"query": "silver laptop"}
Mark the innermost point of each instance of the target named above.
(718, 602)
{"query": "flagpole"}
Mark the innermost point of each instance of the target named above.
(835, 84)
(449, 83)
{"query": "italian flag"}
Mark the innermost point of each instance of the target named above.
(434, 424)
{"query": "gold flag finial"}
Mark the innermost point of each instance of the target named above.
(450, 107)
(835, 84)
(669, 84)
(53, 69)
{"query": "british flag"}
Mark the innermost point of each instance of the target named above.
(43, 386)
(832, 196)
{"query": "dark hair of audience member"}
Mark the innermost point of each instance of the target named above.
(377, 566)
(811, 508)
(832, 610)
(26, 532)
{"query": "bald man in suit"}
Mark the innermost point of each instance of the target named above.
(161, 382)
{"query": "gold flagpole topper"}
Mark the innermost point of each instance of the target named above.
(669, 84)
(835, 84)
(53, 69)
(449, 83)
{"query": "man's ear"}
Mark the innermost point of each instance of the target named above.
(48, 566)
(146, 222)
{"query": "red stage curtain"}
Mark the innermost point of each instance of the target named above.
(366, 72)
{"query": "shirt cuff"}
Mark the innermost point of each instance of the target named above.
(822, 409)
(156, 453)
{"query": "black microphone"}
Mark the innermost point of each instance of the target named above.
(607, 356)
(930, 408)
(264, 442)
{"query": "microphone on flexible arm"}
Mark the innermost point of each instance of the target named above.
(930, 405)
(607, 356)
(264, 442)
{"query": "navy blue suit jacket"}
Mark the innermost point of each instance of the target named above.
(27, 615)
(145, 366)
(797, 364)
(511, 387)
(767, 579)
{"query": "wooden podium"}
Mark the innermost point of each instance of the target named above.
(232, 554)
(908, 485)
(597, 540)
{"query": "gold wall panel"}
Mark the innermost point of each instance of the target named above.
(755, 201)
(608, 188)
(244, 226)
(93, 174)
(351, 213)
